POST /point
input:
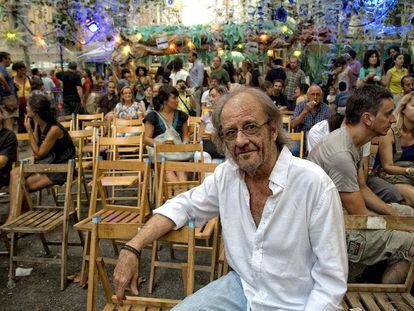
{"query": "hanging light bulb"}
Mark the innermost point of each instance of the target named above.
(10, 35)
(270, 53)
(191, 45)
(126, 50)
(118, 39)
(264, 37)
(297, 53)
(172, 46)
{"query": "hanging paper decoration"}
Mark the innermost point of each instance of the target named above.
(281, 14)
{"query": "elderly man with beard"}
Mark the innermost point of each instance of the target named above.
(312, 111)
(273, 207)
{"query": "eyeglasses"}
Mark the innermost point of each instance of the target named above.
(249, 129)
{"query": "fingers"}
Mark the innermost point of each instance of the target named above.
(134, 284)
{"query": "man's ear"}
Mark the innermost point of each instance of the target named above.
(273, 130)
(367, 118)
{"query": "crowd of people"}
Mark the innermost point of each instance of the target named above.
(296, 207)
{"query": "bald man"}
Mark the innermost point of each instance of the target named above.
(312, 111)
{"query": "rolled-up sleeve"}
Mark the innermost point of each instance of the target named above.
(330, 271)
(200, 203)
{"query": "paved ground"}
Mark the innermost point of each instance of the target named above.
(40, 290)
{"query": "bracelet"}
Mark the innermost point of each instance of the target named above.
(132, 250)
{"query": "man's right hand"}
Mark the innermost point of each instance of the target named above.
(126, 274)
(310, 105)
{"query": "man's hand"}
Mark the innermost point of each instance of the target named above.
(126, 273)
(310, 105)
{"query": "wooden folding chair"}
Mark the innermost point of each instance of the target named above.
(120, 174)
(83, 163)
(194, 124)
(168, 190)
(42, 220)
(299, 137)
(80, 118)
(286, 123)
(126, 232)
(378, 297)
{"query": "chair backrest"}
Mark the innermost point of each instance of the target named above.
(196, 120)
(68, 117)
(126, 232)
(160, 148)
(168, 190)
(67, 168)
(87, 117)
(115, 143)
(80, 139)
(137, 130)
(379, 222)
(286, 122)
(68, 125)
(299, 137)
(122, 122)
(116, 170)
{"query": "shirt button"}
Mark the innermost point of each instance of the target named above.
(257, 247)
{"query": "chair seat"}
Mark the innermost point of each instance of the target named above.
(125, 149)
(378, 301)
(143, 304)
(118, 180)
(36, 221)
(108, 216)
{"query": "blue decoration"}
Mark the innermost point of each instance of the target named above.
(281, 14)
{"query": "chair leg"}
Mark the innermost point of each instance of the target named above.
(80, 234)
(154, 255)
(6, 242)
(12, 268)
(64, 252)
(84, 270)
(44, 243)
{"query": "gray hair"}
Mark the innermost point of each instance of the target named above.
(269, 109)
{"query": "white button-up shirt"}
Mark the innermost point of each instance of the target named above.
(296, 258)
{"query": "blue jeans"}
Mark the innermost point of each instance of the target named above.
(224, 294)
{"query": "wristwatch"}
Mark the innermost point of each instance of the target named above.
(408, 172)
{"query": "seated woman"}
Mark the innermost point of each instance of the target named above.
(165, 104)
(50, 143)
(206, 128)
(128, 108)
(8, 152)
(395, 159)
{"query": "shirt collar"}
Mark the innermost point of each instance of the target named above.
(279, 173)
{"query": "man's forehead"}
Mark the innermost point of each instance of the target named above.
(387, 104)
(242, 105)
